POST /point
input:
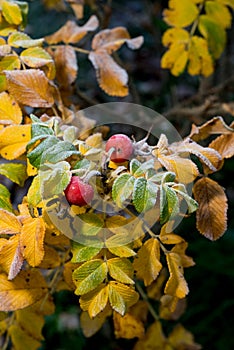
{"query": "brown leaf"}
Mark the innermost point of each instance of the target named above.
(27, 288)
(224, 144)
(66, 64)
(214, 126)
(71, 33)
(171, 307)
(180, 249)
(212, 211)
(78, 7)
(30, 87)
(111, 40)
(32, 240)
(111, 77)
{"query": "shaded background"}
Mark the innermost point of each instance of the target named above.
(183, 100)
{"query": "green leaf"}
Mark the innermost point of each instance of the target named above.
(90, 224)
(117, 245)
(34, 193)
(24, 12)
(168, 176)
(58, 152)
(89, 275)
(144, 194)
(16, 172)
(192, 204)
(35, 155)
(122, 188)
(82, 164)
(39, 131)
(144, 167)
(54, 179)
(214, 33)
(134, 165)
(35, 57)
(5, 202)
(83, 253)
(121, 270)
(170, 203)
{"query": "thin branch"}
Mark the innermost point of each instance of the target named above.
(145, 298)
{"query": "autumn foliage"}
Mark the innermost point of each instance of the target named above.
(120, 263)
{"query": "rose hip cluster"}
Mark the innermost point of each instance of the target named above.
(79, 192)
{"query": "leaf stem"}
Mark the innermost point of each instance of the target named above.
(145, 298)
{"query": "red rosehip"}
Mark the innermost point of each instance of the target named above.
(123, 148)
(79, 192)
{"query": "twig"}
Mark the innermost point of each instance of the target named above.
(145, 298)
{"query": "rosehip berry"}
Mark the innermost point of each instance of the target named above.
(123, 148)
(79, 192)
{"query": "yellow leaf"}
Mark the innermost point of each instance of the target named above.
(10, 112)
(9, 62)
(180, 248)
(111, 77)
(11, 258)
(200, 60)
(51, 258)
(176, 284)
(154, 339)
(147, 262)
(90, 326)
(224, 144)
(21, 340)
(26, 288)
(13, 140)
(32, 240)
(155, 290)
(31, 170)
(89, 275)
(180, 338)
(71, 33)
(68, 270)
(20, 39)
(36, 57)
(31, 322)
(95, 301)
(30, 87)
(45, 306)
(127, 326)
(94, 140)
(121, 270)
(66, 64)
(212, 211)
(12, 13)
(121, 297)
(9, 223)
(169, 238)
(181, 13)
(175, 59)
(175, 35)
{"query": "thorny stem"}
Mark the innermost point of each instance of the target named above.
(145, 298)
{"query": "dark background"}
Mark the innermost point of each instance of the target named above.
(210, 309)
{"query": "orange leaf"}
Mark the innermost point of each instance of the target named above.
(224, 144)
(13, 140)
(9, 223)
(71, 33)
(11, 258)
(32, 240)
(111, 77)
(30, 87)
(212, 211)
(10, 112)
(66, 64)
(147, 263)
(176, 284)
(27, 288)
